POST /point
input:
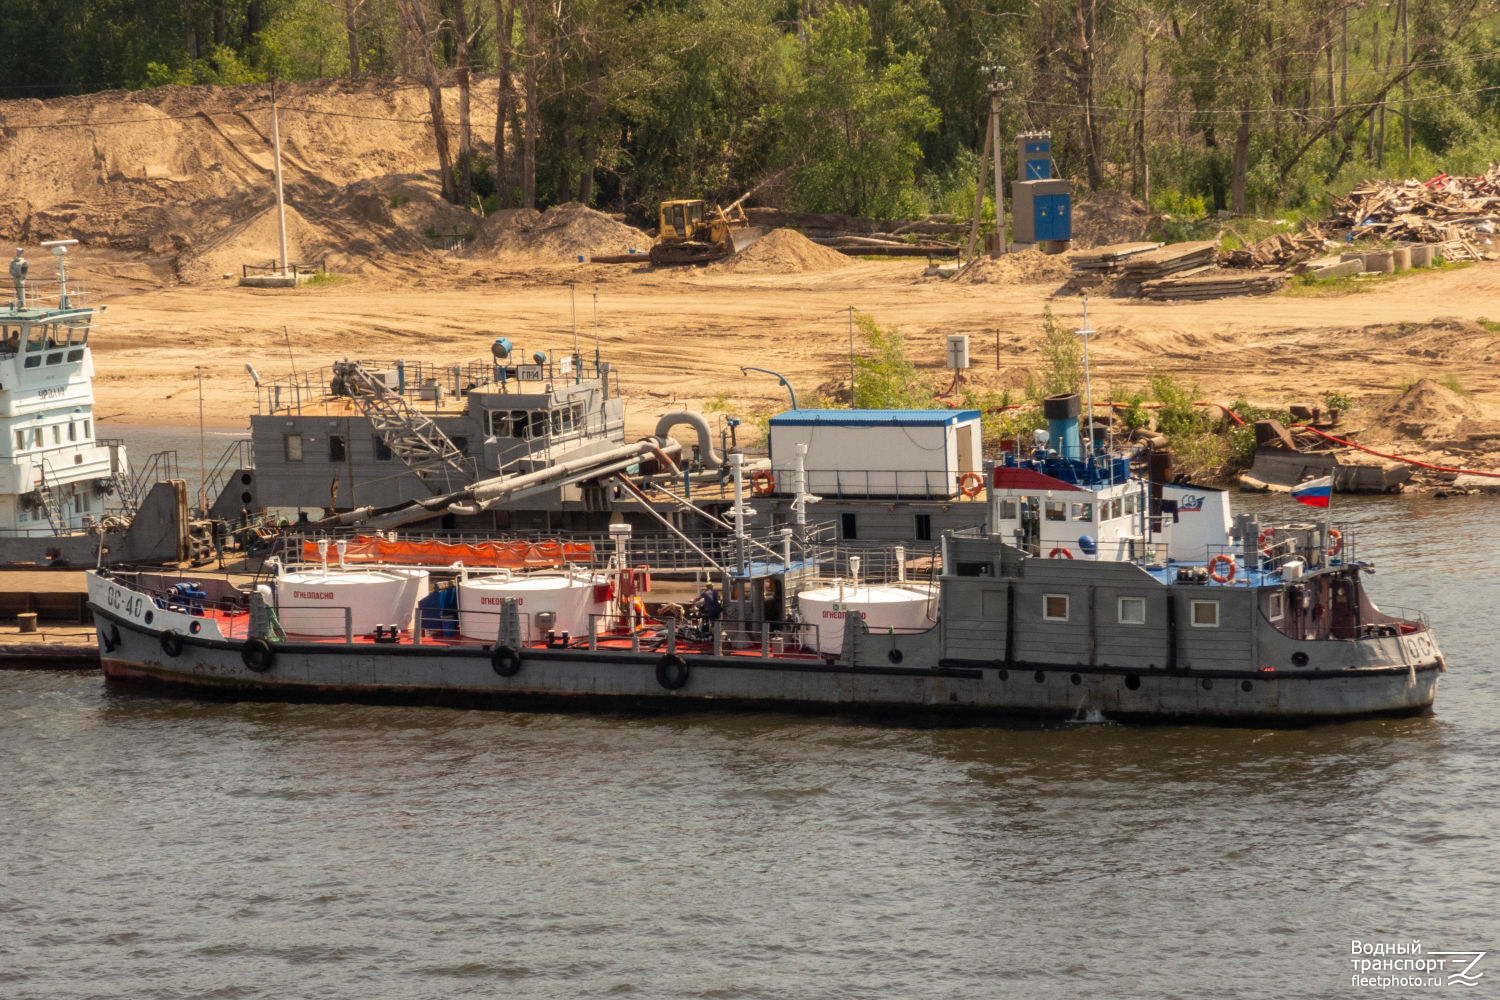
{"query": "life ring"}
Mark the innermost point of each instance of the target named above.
(171, 643)
(109, 640)
(969, 484)
(1059, 552)
(1226, 575)
(671, 671)
(1336, 542)
(1265, 541)
(506, 661)
(258, 655)
(762, 482)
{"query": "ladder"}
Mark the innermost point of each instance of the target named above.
(412, 436)
(49, 500)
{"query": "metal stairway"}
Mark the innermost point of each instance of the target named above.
(412, 436)
(49, 500)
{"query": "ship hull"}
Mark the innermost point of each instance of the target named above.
(962, 691)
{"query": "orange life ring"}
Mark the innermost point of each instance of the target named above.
(762, 482)
(1216, 562)
(1336, 539)
(1264, 540)
(1059, 551)
(969, 484)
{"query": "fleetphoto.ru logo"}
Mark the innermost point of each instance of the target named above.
(1384, 966)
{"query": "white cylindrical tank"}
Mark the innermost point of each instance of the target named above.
(312, 602)
(570, 598)
(905, 608)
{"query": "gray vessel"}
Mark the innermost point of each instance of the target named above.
(1087, 593)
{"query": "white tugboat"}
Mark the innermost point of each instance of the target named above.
(58, 481)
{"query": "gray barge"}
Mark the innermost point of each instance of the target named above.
(1220, 622)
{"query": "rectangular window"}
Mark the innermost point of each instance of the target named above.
(1007, 510)
(1057, 510)
(1132, 611)
(539, 423)
(1055, 607)
(500, 423)
(382, 450)
(1277, 609)
(847, 527)
(56, 434)
(1205, 614)
(1083, 512)
(1129, 504)
(85, 429)
(1114, 508)
(36, 437)
(336, 450)
(72, 431)
(924, 527)
(20, 440)
(293, 445)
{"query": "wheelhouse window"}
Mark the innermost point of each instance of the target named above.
(20, 440)
(1007, 510)
(293, 446)
(1276, 609)
(1130, 507)
(1057, 510)
(1055, 607)
(1132, 611)
(1083, 512)
(1205, 614)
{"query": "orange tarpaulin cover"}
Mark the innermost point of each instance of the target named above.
(509, 555)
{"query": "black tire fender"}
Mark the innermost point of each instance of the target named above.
(506, 661)
(672, 671)
(258, 654)
(171, 642)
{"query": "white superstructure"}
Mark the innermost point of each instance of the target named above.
(56, 477)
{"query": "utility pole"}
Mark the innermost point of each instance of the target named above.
(996, 87)
(280, 201)
(851, 357)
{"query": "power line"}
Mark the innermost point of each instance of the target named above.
(1261, 111)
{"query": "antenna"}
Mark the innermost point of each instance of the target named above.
(60, 248)
(289, 354)
(1088, 388)
(596, 328)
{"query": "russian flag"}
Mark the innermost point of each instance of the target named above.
(1314, 492)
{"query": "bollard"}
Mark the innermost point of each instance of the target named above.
(26, 621)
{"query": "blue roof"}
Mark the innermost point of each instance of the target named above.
(873, 418)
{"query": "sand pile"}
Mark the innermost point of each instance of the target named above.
(783, 251)
(1103, 218)
(1430, 411)
(561, 232)
(254, 241)
(1029, 267)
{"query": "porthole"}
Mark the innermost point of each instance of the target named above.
(1003, 674)
(1299, 659)
(1076, 679)
(895, 656)
(1039, 676)
(1245, 686)
(195, 627)
(1208, 683)
(148, 616)
(1133, 682)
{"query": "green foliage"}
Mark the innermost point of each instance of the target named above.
(1452, 383)
(855, 126)
(1336, 400)
(1133, 415)
(887, 380)
(1062, 355)
(1177, 416)
(325, 279)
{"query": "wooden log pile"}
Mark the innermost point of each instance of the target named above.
(1436, 211)
(1212, 285)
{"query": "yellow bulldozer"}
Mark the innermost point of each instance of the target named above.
(692, 233)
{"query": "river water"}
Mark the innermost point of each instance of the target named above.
(161, 848)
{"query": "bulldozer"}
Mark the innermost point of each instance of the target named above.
(693, 233)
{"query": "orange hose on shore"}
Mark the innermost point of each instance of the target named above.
(1396, 458)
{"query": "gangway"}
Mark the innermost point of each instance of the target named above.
(412, 436)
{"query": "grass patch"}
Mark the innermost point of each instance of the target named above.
(326, 279)
(1452, 383)
(1489, 324)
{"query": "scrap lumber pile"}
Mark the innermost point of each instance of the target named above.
(1279, 250)
(1436, 211)
(1212, 285)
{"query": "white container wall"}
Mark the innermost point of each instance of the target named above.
(903, 608)
(572, 598)
(312, 602)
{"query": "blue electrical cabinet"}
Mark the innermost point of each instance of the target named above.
(1054, 217)
(1036, 157)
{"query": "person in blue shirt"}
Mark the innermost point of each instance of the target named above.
(708, 600)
